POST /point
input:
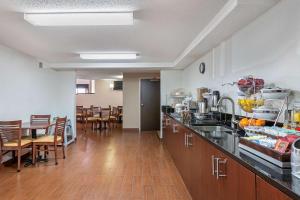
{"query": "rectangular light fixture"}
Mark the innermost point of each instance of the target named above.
(108, 56)
(79, 19)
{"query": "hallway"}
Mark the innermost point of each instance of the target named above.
(115, 165)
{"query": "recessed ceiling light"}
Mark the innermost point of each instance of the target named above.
(79, 19)
(108, 56)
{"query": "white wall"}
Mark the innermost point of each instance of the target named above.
(131, 98)
(170, 80)
(268, 48)
(104, 96)
(26, 89)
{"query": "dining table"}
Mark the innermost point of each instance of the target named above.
(33, 127)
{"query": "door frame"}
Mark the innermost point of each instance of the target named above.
(140, 96)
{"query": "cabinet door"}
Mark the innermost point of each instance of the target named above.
(266, 191)
(203, 184)
(179, 147)
(167, 132)
(238, 182)
(171, 137)
(185, 148)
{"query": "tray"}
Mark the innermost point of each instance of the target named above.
(277, 158)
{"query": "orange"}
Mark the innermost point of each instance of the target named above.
(252, 122)
(260, 122)
(244, 122)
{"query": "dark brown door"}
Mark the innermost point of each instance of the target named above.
(150, 105)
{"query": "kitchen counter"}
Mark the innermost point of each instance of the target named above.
(228, 143)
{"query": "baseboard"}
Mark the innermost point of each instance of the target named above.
(131, 129)
(158, 136)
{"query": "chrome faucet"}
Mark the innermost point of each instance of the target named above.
(233, 119)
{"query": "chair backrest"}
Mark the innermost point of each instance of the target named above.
(79, 109)
(95, 111)
(60, 128)
(40, 119)
(105, 112)
(10, 130)
(115, 111)
(88, 111)
(120, 108)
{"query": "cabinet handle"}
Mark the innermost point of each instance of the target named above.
(185, 140)
(189, 139)
(167, 122)
(174, 128)
(213, 165)
(219, 161)
(163, 124)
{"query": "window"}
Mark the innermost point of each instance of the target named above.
(85, 86)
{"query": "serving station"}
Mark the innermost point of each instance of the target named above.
(256, 154)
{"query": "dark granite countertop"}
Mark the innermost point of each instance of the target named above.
(228, 143)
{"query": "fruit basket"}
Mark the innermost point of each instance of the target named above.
(248, 104)
(249, 85)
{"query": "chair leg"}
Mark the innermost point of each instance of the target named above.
(38, 153)
(33, 154)
(0, 158)
(46, 152)
(64, 152)
(55, 154)
(19, 160)
(14, 156)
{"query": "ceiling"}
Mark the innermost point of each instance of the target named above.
(162, 29)
(116, 74)
(163, 34)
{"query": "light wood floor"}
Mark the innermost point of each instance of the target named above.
(110, 165)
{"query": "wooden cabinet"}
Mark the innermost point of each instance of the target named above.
(185, 154)
(235, 181)
(216, 176)
(266, 191)
(209, 173)
(203, 183)
(166, 126)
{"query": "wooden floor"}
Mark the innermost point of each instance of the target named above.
(107, 165)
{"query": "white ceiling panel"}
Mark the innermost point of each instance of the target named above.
(162, 29)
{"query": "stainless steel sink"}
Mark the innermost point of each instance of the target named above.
(214, 129)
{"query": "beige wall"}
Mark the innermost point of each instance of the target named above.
(104, 96)
(131, 98)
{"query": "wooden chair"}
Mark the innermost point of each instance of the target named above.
(120, 115)
(79, 113)
(40, 119)
(105, 116)
(11, 139)
(52, 141)
(114, 116)
(93, 117)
